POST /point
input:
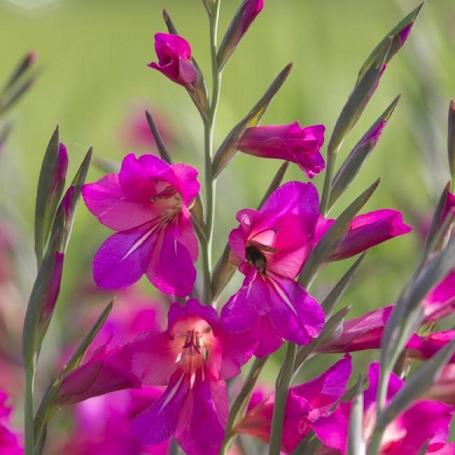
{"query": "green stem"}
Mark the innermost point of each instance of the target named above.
(281, 395)
(241, 401)
(208, 145)
(28, 407)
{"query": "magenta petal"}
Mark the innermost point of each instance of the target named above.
(171, 267)
(139, 177)
(148, 350)
(159, 422)
(268, 340)
(188, 184)
(370, 394)
(328, 387)
(294, 314)
(200, 429)
(440, 302)
(362, 332)
(97, 377)
(370, 229)
(105, 200)
(332, 429)
(123, 258)
(241, 311)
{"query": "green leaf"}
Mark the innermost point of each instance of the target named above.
(451, 138)
(48, 195)
(224, 269)
(417, 384)
(158, 139)
(337, 292)
(229, 146)
(397, 42)
(356, 443)
(334, 236)
(358, 99)
(79, 354)
(351, 166)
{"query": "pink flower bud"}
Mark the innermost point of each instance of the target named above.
(174, 59)
(287, 142)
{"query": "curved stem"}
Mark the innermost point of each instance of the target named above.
(208, 145)
(281, 395)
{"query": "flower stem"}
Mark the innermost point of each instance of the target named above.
(281, 395)
(28, 407)
(208, 145)
(241, 401)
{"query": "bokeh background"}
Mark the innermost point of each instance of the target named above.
(92, 56)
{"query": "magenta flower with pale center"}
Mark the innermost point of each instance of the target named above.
(193, 358)
(424, 422)
(307, 408)
(287, 142)
(174, 59)
(270, 246)
(147, 203)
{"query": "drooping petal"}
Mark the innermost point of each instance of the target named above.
(332, 429)
(294, 314)
(171, 267)
(159, 422)
(123, 258)
(268, 339)
(241, 312)
(200, 428)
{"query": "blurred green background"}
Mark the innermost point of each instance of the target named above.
(93, 57)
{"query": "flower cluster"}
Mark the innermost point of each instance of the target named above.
(140, 388)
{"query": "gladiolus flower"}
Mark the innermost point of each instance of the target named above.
(269, 246)
(307, 408)
(147, 202)
(423, 422)
(174, 59)
(287, 142)
(366, 231)
(193, 358)
(9, 440)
